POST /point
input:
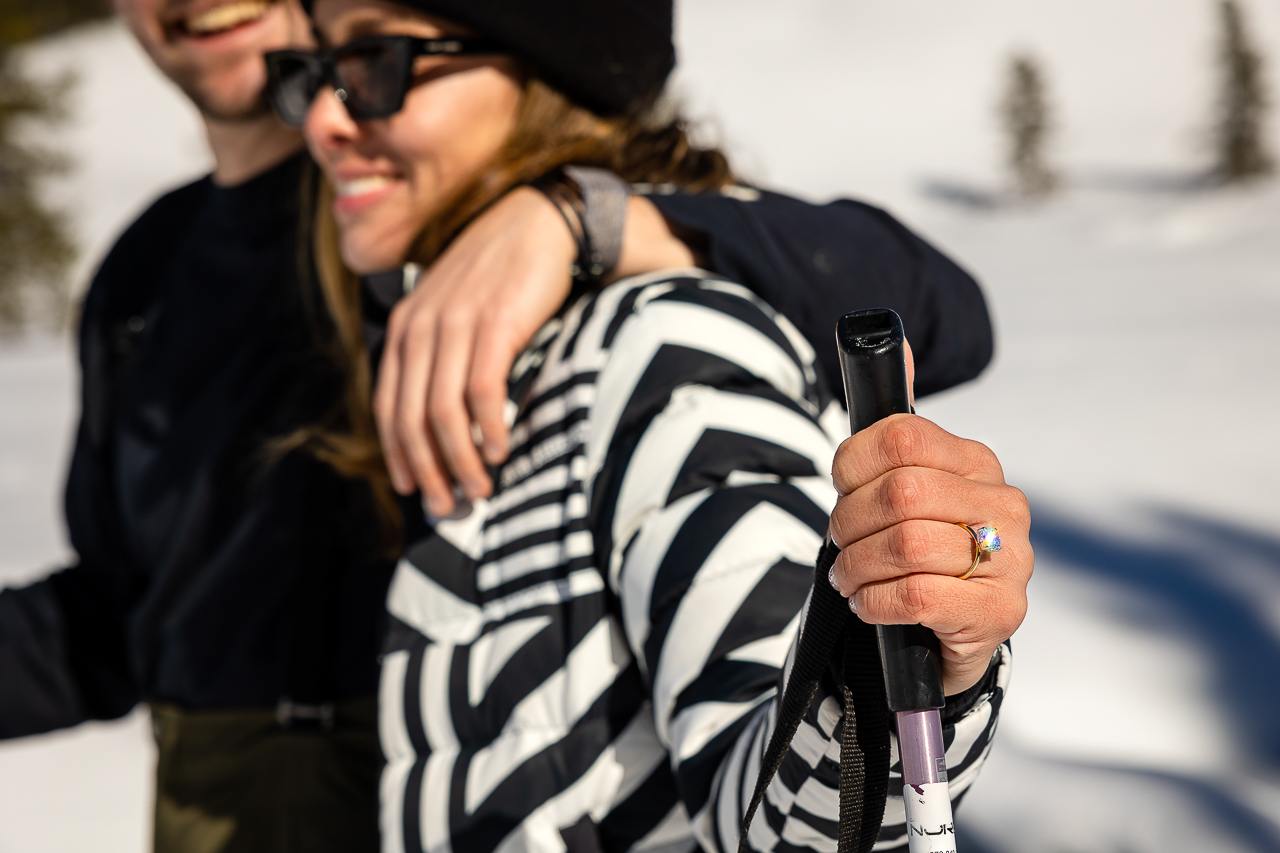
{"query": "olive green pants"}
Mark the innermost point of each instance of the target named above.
(237, 782)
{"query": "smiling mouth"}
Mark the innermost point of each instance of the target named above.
(221, 19)
(360, 186)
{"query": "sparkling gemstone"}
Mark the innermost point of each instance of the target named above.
(988, 539)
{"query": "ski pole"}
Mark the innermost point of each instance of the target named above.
(873, 363)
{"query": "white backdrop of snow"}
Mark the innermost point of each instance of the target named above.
(1133, 396)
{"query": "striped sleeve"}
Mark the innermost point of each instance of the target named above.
(709, 493)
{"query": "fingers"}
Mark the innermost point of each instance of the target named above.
(907, 441)
(904, 494)
(448, 417)
(904, 483)
(452, 341)
(405, 421)
(971, 618)
(385, 400)
(931, 547)
(495, 351)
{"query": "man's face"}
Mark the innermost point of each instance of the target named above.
(213, 48)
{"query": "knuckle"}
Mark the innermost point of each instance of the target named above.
(400, 314)
(905, 491)
(984, 456)
(910, 545)
(407, 424)
(914, 598)
(420, 322)
(1004, 613)
(842, 467)
(483, 387)
(1016, 506)
(456, 318)
(840, 523)
(439, 420)
(905, 442)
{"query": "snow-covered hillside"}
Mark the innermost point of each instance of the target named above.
(1134, 396)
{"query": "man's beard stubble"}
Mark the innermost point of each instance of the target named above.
(221, 109)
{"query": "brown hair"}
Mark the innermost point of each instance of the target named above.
(551, 131)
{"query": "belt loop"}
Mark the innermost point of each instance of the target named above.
(292, 715)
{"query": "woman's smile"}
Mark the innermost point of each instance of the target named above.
(356, 194)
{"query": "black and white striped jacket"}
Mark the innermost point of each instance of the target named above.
(589, 660)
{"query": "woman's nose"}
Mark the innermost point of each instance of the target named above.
(329, 126)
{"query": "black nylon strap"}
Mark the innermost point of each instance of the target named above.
(829, 627)
(864, 743)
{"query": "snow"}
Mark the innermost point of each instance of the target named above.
(1133, 396)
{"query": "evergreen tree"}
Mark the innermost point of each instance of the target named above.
(35, 249)
(1242, 102)
(24, 20)
(1027, 123)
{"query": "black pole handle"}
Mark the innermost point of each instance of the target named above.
(873, 361)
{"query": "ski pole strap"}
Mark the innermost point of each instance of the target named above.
(833, 640)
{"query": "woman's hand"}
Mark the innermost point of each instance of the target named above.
(452, 341)
(904, 482)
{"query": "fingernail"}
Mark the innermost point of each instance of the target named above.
(494, 453)
(853, 604)
(831, 578)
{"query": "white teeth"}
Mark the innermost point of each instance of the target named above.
(225, 17)
(361, 186)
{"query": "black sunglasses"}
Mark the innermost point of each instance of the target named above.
(369, 75)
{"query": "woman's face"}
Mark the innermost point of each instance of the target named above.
(390, 174)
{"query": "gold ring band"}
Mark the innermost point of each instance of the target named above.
(985, 540)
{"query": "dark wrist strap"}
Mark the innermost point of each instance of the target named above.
(564, 196)
(833, 640)
(593, 203)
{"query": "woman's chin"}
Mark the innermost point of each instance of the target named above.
(362, 258)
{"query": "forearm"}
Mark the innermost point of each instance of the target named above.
(649, 244)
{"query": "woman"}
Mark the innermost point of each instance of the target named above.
(589, 658)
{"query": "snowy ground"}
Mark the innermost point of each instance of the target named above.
(1134, 395)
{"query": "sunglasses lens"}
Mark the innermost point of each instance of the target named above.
(373, 76)
(293, 86)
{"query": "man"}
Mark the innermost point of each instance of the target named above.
(228, 576)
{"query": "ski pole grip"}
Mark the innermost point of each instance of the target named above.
(873, 363)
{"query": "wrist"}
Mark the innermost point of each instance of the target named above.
(960, 704)
(593, 205)
(549, 232)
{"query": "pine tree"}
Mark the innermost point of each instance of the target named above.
(1242, 102)
(35, 249)
(1027, 122)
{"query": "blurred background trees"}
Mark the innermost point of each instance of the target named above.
(1239, 140)
(35, 247)
(1028, 122)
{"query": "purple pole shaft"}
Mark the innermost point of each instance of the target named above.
(920, 746)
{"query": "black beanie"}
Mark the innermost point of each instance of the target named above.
(607, 55)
